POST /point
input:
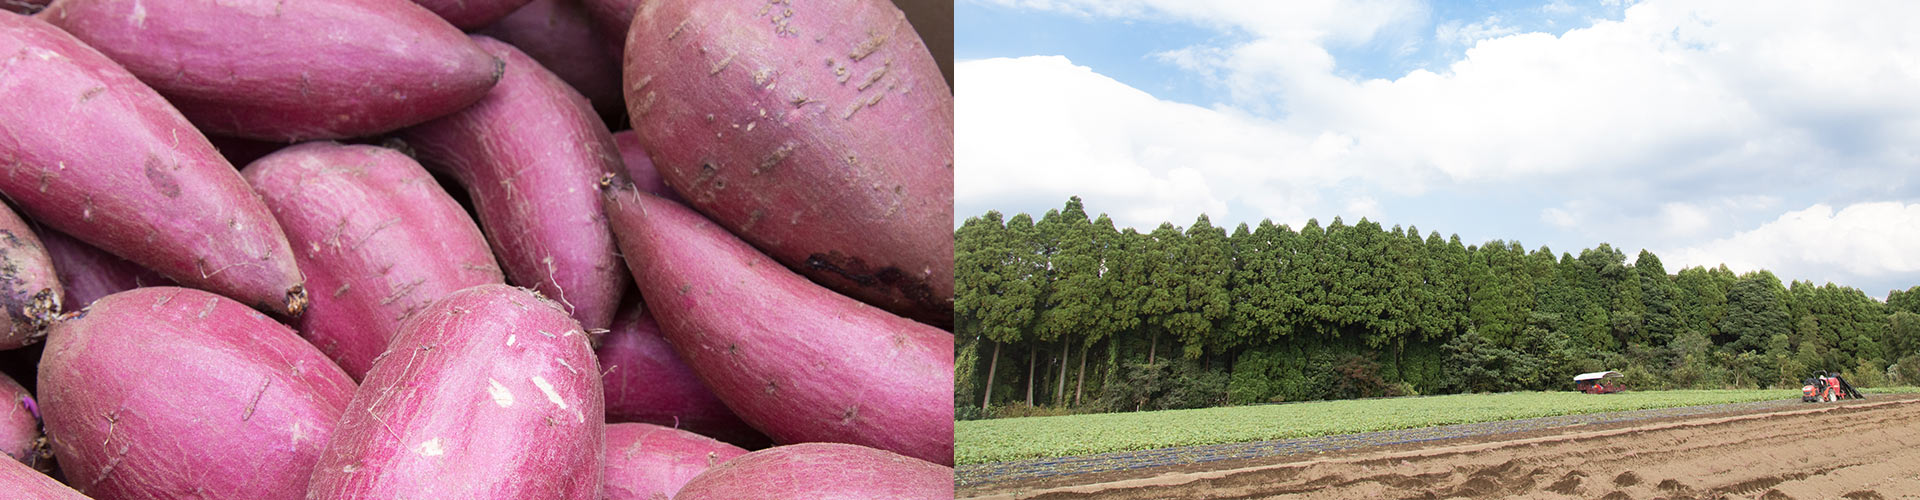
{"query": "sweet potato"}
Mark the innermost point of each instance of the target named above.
(640, 167)
(471, 14)
(88, 273)
(611, 18)
(795, 360)
(87, 149)
(490, 393)
(25, 483)
(646, 382)
(558, 34)
(822, 133)
(647, 462)
(377, 237)
(20, 437)
(168, 392)
(29, 290)
(821, 470)
(289, 71)
(530, 154)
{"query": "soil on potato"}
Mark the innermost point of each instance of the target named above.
(1866, 449)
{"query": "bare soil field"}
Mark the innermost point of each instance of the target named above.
(1855, 450)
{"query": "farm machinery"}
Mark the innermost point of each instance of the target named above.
(1598, 382)
(1827, 387)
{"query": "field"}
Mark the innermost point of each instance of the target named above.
(983, 441)
(1767, 450)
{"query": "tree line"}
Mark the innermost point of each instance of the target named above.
(1068, 314)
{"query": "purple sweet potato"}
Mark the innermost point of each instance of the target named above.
(490, 393)
(20, 481)
(821, 470)
(648, 462)
(88, 273)
(20, 437)
(168, 392)
(530, 154)
(821, 133)
(471, 14)
(646, 382)
(87, 149)
(559, 35)
(289, 71)
(23, 6)
(29, 290)
(795, 360)
(640, 167)
(377, 237)
(611, 18)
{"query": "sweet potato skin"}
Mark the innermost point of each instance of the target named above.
(88, 150)
(822, 133)
(20, 437)
(18, 479)
(795, 360)
(545, 224)
(558, 34)
(377, 237)
(645, 381)
(647, 462)
(29, 290)
(87, 273)
(611, 18)
(167, 392)
(821, 470)
(363, 67)
(471, 14)
(640, 166)
(490, 393)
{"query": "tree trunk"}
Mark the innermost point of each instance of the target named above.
(1046, 370)
(1152, 349)
(991, 365)
(1080, 385)
(1032, 352)
(1066, 353)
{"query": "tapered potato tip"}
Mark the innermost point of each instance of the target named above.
(297, 300)
(43, 309)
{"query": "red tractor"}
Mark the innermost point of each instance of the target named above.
(1827, 387)
(1598, 383)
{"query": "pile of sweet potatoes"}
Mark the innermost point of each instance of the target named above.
(475, 249)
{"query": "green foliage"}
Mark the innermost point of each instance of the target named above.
(1163, 385)
(1200, 316)
(1907, 371)
(1011, 439)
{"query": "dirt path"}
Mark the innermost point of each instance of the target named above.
(1856, 451)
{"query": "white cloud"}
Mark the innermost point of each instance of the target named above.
(1674, 84)
(1452, 32)
(1558, 217)
(1660, 129)
(1043, 127)
(1683, 219)
(1861, 240)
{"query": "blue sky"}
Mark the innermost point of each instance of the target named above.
(1777, 135)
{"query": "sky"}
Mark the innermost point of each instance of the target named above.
(1778, 135)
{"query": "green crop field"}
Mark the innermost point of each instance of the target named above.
(983, 441)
